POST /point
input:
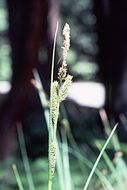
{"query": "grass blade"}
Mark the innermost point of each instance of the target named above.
(99, 157)
(51, 131)
(17, 177)
(25, 158)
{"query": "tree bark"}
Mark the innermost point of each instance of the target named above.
(28, 29)
(112, 57)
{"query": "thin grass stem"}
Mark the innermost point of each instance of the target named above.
(99, 157)
(42, 95)
(51, 82)
(25, 158)
(18, 179)
(50, 115)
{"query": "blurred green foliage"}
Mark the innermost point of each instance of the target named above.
(5, 60)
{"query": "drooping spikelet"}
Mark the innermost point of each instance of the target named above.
(65, 87)
(52, 158)
(55, 103)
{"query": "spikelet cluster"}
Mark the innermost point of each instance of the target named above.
(52, 158)
(62, 73)
(55, 103)
(60, 88)
(65, 87)
(66, 45)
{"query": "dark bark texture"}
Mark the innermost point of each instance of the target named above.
(31, 24)
(112, 57)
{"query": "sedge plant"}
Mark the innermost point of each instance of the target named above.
(58, 93)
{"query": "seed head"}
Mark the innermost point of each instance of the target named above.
(65, 87)
(52, 158)
(66, 43)
(55, 103)
(62, 73)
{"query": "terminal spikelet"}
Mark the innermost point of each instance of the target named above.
(62, 73)
(65, 87)
(66, 43)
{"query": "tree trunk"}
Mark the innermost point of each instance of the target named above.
(112, 57)
(28, 28)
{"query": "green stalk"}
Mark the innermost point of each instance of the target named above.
(49, 184)
(107, 127)
(112, 168)
(17, 177)
(51, 82)
(89, 164)
(66, 164)
(99, 157)
(50, 116)
(25, 157)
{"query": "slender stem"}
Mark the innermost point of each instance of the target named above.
(25, 157)
(98, 159)
(17, 177)
(50, 116)
(53, 53)
(52, 71)
(49, 184)
(43, 98)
